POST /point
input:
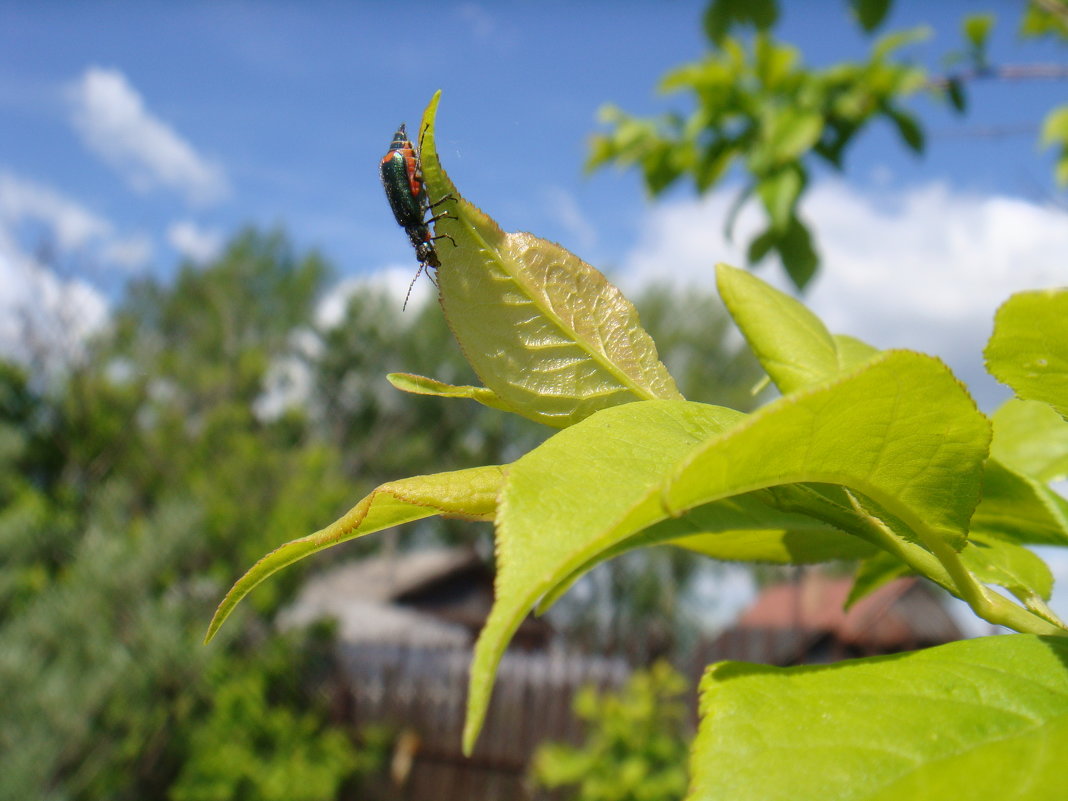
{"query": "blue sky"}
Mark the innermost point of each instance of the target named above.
(287, 108)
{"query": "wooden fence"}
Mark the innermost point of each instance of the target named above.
(421, 692)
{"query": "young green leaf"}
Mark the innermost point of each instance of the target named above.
(1029, 347)
(546, 332)
(900, 430)
(469, 494)
(873, 573)
(984, 718)
(1019, 508)
(549, 523)
(1032, 439)
(420, 385)
(997, 561)
(791, 342)
(742, 528)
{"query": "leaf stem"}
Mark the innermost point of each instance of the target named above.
(940, 558)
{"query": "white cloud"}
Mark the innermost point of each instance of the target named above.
(391, 282)
(41, 216)
(70, 225)
(111, 116)
(44, 318)
(924, 268)
(193, 242)
(130, 253)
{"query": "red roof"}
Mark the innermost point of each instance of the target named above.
(899, 615)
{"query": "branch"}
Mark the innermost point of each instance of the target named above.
(1011, 72)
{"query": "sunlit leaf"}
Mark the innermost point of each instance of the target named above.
(420, 385)
(1029, 347)
(901, 430)
(629, 449)
(984, 718)
(792, 344)
(1017, 507)
(1031, 438)
(546, 332)
(1008, 565)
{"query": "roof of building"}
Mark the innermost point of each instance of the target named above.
(901, 614)
(361, 595)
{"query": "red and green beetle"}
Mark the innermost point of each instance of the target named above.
(402, 176)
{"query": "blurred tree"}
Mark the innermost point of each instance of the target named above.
(636, 743)
(131, 497)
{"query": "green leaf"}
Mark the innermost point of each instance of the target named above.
(984, 718)
(1061, 170)
(908, 128)
(798, 254)
(774, 64)
(955, 91)
(1031, 438)
(1029, 347)
(807, 545)
(1038, 21)
(722, 15)
(1008, 565)
(791, 343)
(1055, 127)
(743, 528)
(543, 330)
(977, 29)
(852, 352)
(870, 13)
(873, 573)
(790, 134)
(761, 245)
(469, 494)
(420, 385)
(885, 45)
(1017, 507)
(629, 449)
(779, 193)
(900, 430)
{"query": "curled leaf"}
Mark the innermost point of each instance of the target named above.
(470, 494)
(420, 385)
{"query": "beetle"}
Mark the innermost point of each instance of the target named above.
(402, 177)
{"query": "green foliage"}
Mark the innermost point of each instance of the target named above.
(759, 109)
(757, 105)
(635, 746)
(126, 496)
(249, 749)
(982, 718)
(1049, 18)
(1029, 348)
(879, 455)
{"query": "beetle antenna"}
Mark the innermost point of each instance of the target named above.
(418, 273)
